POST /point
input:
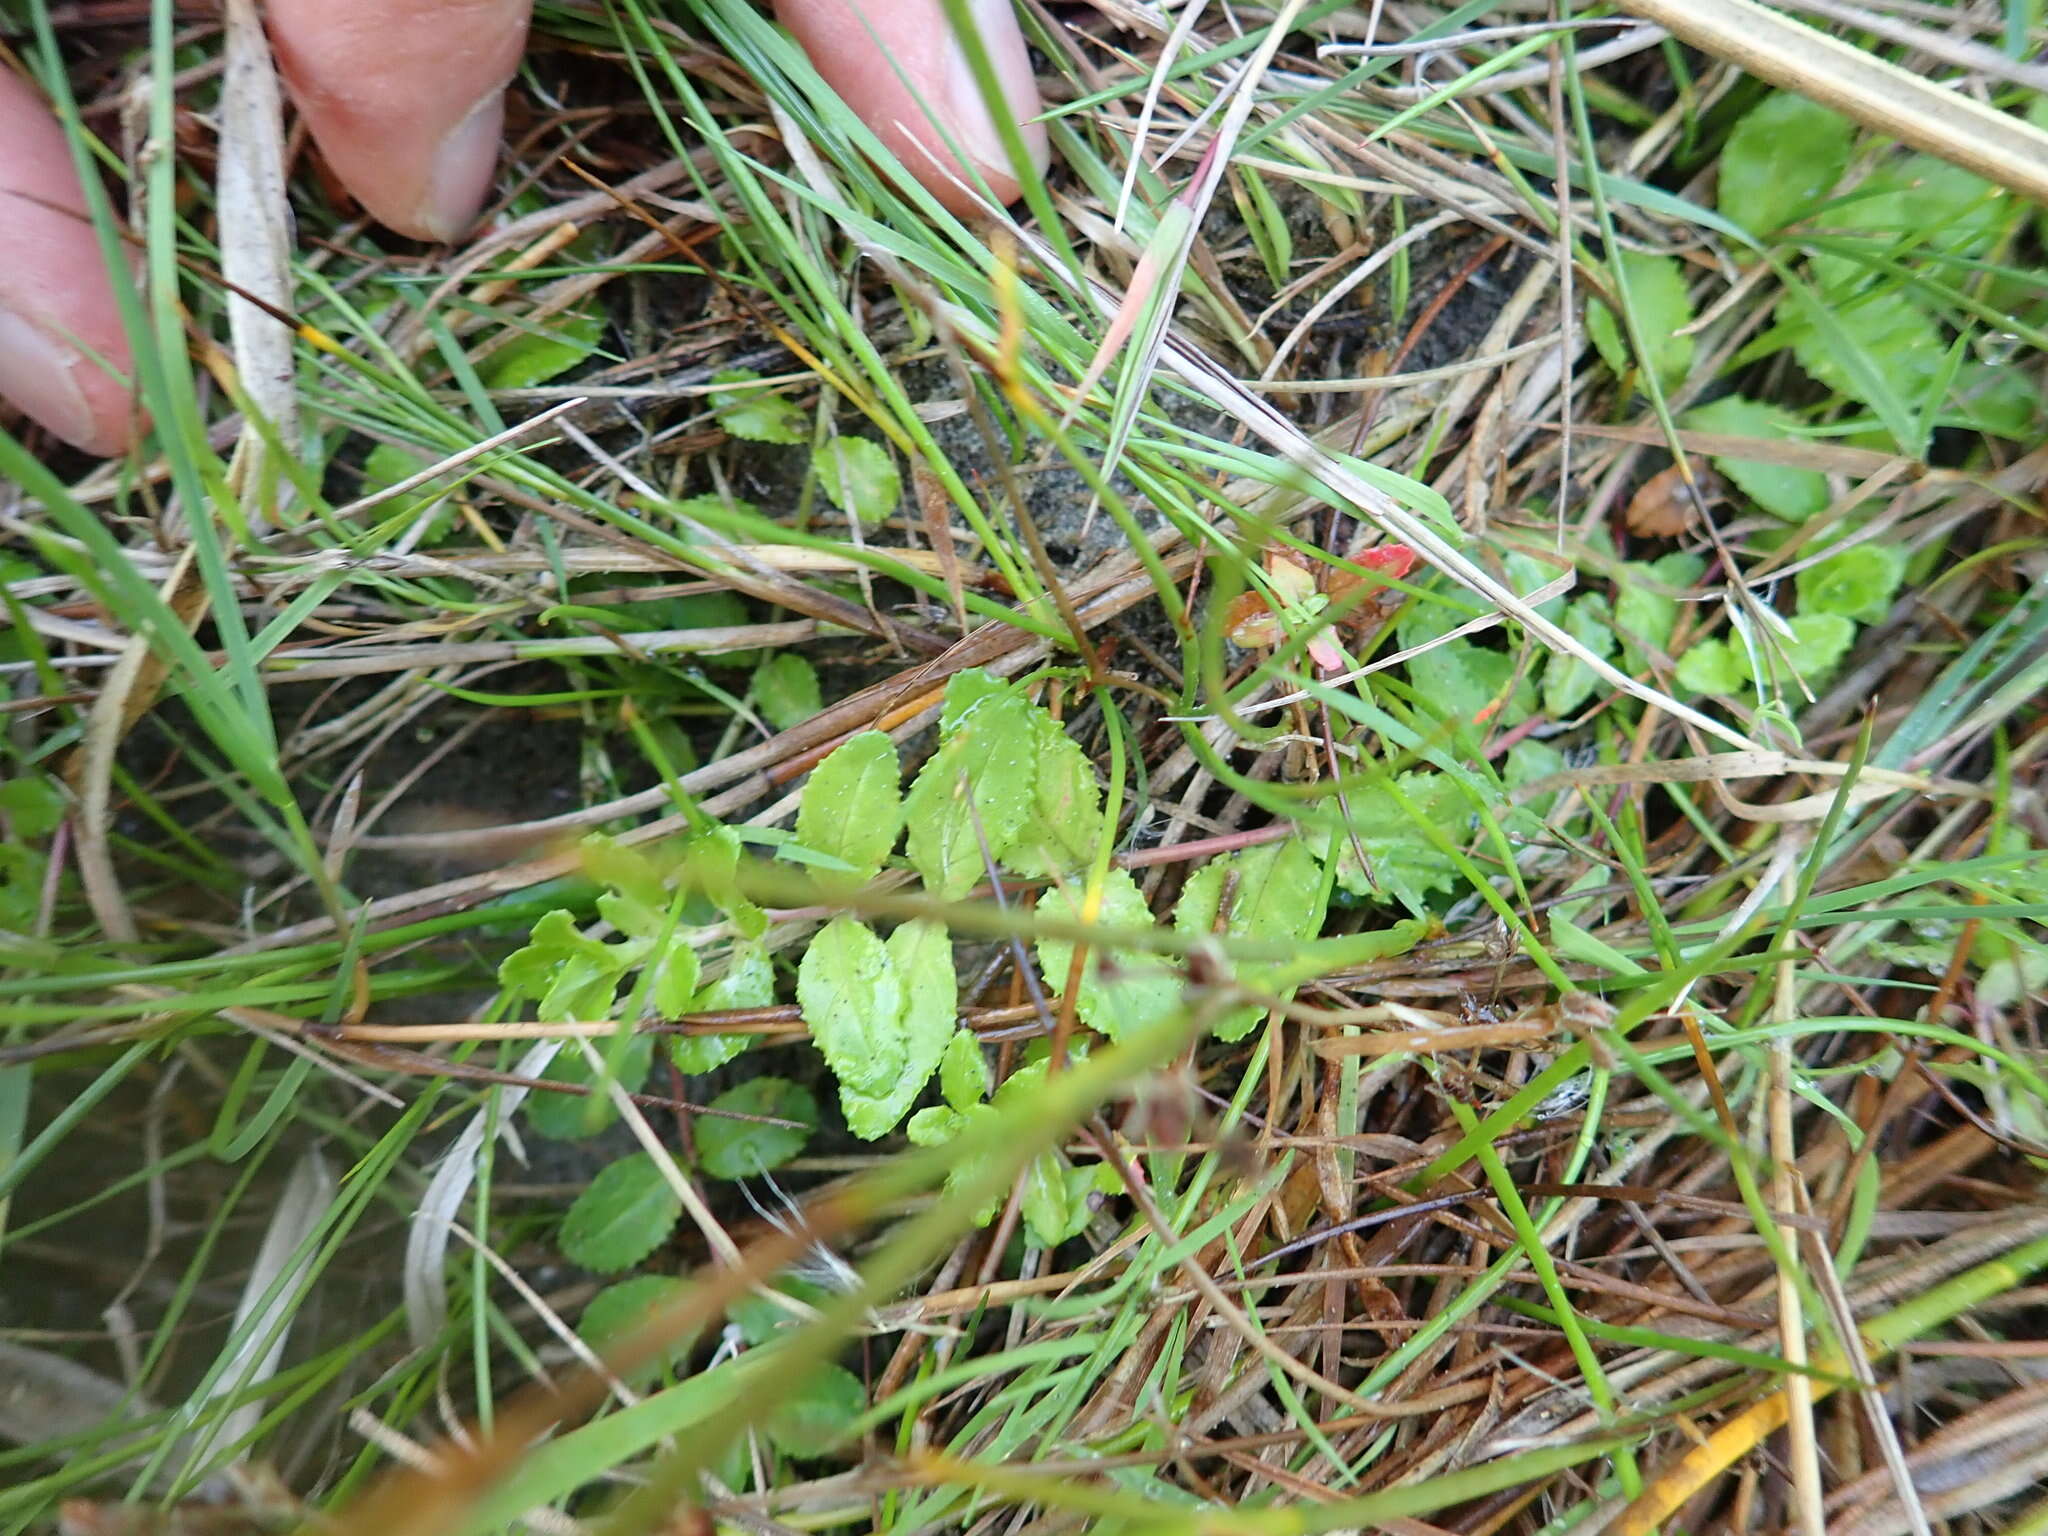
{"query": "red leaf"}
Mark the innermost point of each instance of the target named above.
(1391, 560)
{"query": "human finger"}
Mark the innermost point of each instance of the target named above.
(56, 300)
(406, 99)
(899, 66)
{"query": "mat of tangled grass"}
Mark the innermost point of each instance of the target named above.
(1340, 828)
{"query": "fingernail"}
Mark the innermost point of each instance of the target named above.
(973, 128)
(459, 178)
(39, 374)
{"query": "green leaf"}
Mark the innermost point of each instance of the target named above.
(852, 999)
(1712, 666)
(1567, 681)
(814, 1419)
(1055, 1204)
(616, 1311)
(1278, 894)
(387, 465)
(22, 871)
(759, 1319)
(786, 690)
(922, 955)
(853, 806)
(708, 861)
(743, 1149)
(941, 1124)
(573, 977)
(1916, 204)
(1818, 643)
(573, 1116)
(966, 691)
(2011, 979)
(1525, 574)
(755, 414)
(1529, 760)
(1882, 350)
(1793, 494)
(1065, 824)
(1644, 616)
(632, 917)
(748, 982)
(943, 845)
(32, 806)
(535, 357)
(1462, 684)
(1405, 865)
(2003, 402)
(881, 1015)
(1857, 583)
(622, 1216)
(1657, 298)
(1954, 211)
(1131, 992)
(963, 1073)
(860, 478)
(936, 1124)
(626, 870)
(1784, 156)
(673, 990)
(979, 787)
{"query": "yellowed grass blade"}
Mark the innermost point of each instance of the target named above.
(1999, 147)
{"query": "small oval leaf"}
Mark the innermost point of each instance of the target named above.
(1658, 300)
(852, 999)
(860, 478)
(853, 806)
(1785, 155)
(623, 1215)
(815, 1418)
(742, 1149)
(1129, 993)
(1780, 489)
(617, 1310)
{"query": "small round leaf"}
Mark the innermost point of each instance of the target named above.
(572, 1116)
(615, 1311)
(815, 1419)
(1711, 666)
(1857, 583)
(622, 1216)
(861, 478)
(740, 1149)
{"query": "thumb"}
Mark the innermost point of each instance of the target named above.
(406, 99)
(56, 300)
(899, 66)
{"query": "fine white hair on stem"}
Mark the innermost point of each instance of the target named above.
(819, 1266)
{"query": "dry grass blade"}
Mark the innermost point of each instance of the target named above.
(433, 1219)
(263, 1316)
(1997, 146)
(1963, 52)
(1194, 368)
(1807, 1491)
(1419, 534)
(256, 253)
(130, 689)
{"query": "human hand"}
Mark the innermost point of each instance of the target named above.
(407, 102)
